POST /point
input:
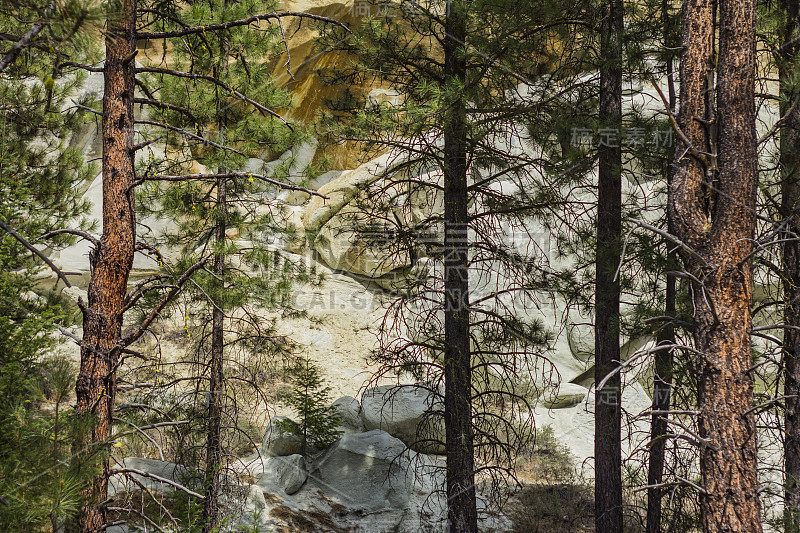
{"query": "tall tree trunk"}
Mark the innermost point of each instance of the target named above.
(662, 375)
(112, 261)
(790, 203)
(461, 505)
(607, 448)
(712, 204)
(211, 486)
(213, 436)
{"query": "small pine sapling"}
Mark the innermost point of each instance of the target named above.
(318, 419)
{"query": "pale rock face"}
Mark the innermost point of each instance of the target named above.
(170, 471)
(565, 395)
(365, 472)
(283, 475)
(340, 191)
(349, 411)
(339, 244)
(408, 412)
(279, 440)
(574, 426)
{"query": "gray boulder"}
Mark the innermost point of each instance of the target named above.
(349, 411)
(365, 472)
(412, 413)
(281, 438)
(283, 474)
(149, 472)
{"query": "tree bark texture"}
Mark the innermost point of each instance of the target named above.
(112, 260)
(211, 519)
(461, 503)
(712, 205)
(607, 447)
(790, 203)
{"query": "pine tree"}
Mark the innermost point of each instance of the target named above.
(712, 205)
(39, 185)
(311, 399)
(461, 183)
(208, 209)
(103, 344)
(608, 399)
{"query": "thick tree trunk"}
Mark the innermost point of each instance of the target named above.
(712, 204)
(662, 376)
(214, 428)
(112, 261)
(790, 203)
(461, 505)
(607, 450)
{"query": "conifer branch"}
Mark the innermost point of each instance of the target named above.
(36, 252)
(260, 177)
(241, 22)
(215, 81)
(26, 38)
(174, 290)
(188, 134)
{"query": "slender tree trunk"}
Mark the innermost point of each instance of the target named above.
(790, 203)
(213, 437)
(662, 388)
(712, 204)
(607, 450)
(112, 261)
(662, 376)
(461, 505)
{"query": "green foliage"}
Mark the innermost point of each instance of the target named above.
(39, 481)
(310, 398)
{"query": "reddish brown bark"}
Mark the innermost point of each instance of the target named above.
(112, 262)
(712, 204)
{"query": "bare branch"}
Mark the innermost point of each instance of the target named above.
(82, 234)
(36, 252)
(166, 105)
(670, 237)
(260, 177)
(157, 478)
(87, 68)
(235, 23)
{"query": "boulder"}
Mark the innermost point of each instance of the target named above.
(283, 474)
(367, 472)
(281, 438)
(161, 469)
(410, 413)
(349, 411)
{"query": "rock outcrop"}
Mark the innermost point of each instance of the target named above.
(412, 413)
(281, 438)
